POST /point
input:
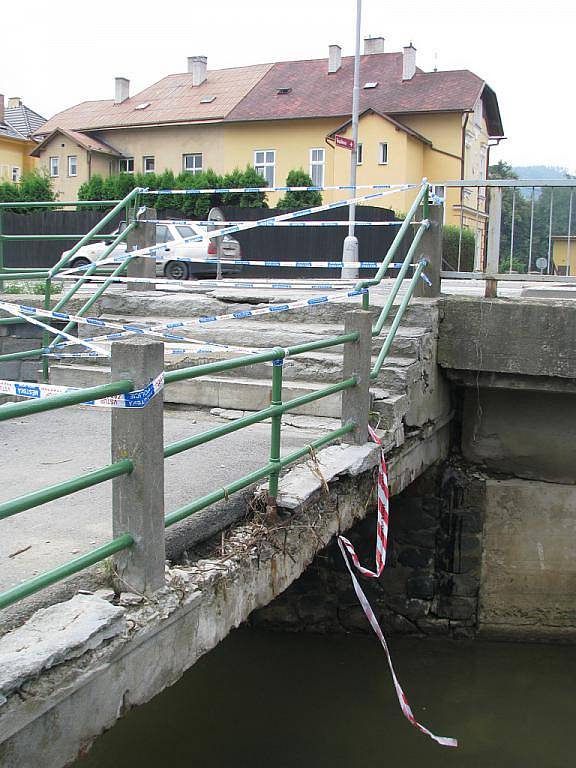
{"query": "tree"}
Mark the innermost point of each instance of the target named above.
(299, 200)
(32, 187)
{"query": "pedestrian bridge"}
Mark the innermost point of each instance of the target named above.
(490, 379)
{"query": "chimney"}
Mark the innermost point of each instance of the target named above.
(14, 101)
(1, 107)
(197, 67)
(409, 62)
(122, 90)
(334, 58)
(373, 45)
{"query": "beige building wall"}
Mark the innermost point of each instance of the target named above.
(88, 163)
(562, 254)
(168, 145)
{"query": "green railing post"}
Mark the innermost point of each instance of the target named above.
(46, 337)
(276, 431)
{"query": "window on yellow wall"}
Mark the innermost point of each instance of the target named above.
(72, 165)
(383, 153)
(359, 154)
(192, 163)
(317, 167)
(15, 174)
(265, 164)
(54, 166)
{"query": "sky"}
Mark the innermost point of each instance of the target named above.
(64, 52)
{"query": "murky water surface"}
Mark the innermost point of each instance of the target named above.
(291, 701)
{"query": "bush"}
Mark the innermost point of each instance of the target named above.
(117, 187)
(299, 200)
(450, 244)
(32, 187)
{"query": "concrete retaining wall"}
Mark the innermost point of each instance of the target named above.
(528, 567)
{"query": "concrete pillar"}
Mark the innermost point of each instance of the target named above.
(142, 236)
(430, 248)
(138, 498)
(357, 362)
(350, 255)
(493, 246)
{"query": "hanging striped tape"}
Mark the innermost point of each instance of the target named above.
(139, 398)
(347, 550)
(238, 315)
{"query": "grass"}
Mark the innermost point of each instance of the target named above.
(36, 288)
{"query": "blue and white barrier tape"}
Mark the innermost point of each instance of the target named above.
(270, 221)
(236, 190)
(188, 222)
(28, 313)
(239, 315)
(24, 313)
(139, 398)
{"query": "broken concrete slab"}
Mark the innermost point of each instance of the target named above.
(302, 482)
(54, 635)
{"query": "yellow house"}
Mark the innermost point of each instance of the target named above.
(17, 124)
(284, 116)
(564, 253)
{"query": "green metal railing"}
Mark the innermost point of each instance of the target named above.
(273, 412)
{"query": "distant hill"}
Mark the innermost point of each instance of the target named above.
(540, 172)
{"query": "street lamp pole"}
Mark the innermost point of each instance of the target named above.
(350, 251)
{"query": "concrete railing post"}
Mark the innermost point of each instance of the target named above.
(430, 248)
(138, 498)
(357, 362)
(493, 245)
(142, 236)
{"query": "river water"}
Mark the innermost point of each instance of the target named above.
(273, 700)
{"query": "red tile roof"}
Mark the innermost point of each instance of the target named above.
(315, 93)
(82, 139)
(251, 93)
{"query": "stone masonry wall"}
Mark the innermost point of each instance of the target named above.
(431, 582)
(20, 338)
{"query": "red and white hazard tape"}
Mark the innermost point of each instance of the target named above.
(381, 545)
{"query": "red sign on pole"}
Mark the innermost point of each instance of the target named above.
(342, 141)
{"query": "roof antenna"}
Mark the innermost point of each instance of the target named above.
(435, 61)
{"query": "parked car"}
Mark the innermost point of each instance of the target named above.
(171, 234)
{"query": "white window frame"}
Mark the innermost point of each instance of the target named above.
(265, 164)
(196, 167)
(54, 162)
(15, 174)
(149, 157)
(317, 164)
(381, 146)
(125, 160)
(359, 153)
(72, 164)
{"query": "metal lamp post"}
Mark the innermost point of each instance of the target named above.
(350, 251)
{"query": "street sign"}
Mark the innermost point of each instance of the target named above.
(541, 263)
(342, 141)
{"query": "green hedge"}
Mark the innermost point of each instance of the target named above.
(117, 187)
(450, 244)
(299, 200)
(32, 187)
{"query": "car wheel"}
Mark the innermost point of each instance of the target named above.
(177, 270)
(81, 262)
